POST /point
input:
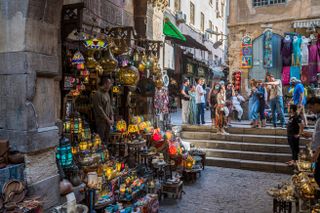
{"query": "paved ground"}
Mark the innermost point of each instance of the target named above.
(223, 190)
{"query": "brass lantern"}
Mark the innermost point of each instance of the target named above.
(129, 76)
(108, 62)
(91, 62)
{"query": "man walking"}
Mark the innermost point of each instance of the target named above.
(276, 99)
(102, 109)
(185, 100)
(299, 98)
(200, 100)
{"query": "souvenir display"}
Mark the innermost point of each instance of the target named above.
(267, 49)
(246, 52)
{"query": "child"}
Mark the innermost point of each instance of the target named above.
(294, 129)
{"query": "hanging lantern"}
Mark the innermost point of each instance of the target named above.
(95, 43)
(172, 149)
(64, 153)
(141, 67)
(67, 125)
(159, 83)
(121, 126)
(108, 62)
(74, 150)
(99, 69)
(108, 172)
(91, 62)
(136, 56)
(132, 128)
(156, 135)
(90, 143)
(129, 76)
(77, 58)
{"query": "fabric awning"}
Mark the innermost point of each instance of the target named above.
(308, 23)
(172, 31)
(190, 42)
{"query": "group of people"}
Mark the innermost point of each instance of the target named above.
(222, 101)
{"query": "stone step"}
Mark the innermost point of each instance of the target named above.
(231, 145)
(248, 155)
(238, 129)
(249, 165)
(266, 139)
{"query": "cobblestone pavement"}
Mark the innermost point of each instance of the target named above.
(227, 191)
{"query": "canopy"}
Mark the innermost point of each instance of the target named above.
(190, 42)
(172, 31)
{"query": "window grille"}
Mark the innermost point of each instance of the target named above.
(257, 3)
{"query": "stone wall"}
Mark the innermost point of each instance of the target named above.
(30, 68)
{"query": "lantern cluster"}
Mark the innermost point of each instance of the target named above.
(236, 80)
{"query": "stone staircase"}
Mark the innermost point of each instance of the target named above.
(264, 149)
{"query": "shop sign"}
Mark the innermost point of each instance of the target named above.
(189, 68)
(246, 52)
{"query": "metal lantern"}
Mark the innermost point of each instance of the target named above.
(97, 140)
(132, 128)
(129, 76)
(118, 165)
(64, 153)
(121, 126)
(108, 62)
(74, 149)
(67, 125)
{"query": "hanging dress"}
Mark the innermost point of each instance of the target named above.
(304, 51)
(286, 51)
(296, 44)
(314, 61)
(286, 75)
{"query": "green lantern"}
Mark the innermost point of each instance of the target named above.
(64, 153)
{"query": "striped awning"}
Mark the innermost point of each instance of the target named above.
(306, 23)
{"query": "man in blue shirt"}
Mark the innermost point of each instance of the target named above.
(299, 97)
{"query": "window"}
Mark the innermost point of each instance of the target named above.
(191, 13)
(210, 27)
(177, 5)
(202, 22)
(222, 9)
(217, 8)
(257, 3)
(217, 36)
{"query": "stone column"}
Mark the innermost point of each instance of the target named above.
(29, 89)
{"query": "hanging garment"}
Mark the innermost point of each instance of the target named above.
(286, 75)
(314, 62)
(305, 75)
(296, 44)
(161, 101)
(267, 49)
(304, 51)
(295, 72)
(286, 51)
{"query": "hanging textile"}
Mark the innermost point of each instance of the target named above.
(267, 49)
(286, 50)
(295, 72)
(286, 75)
(246, 52)
(314, 62)
(296, 44)
(161, 101)
(304, 51)
(305, 75)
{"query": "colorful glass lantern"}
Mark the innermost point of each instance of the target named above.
(95, 43)
(156, 135)
(142, 126)
(64, 153)
(121, 126)
(108, 172)
(132, 128)
(172, 150)
(83, 145)
(118, 165)
(97, 140)
(77, 58)
(168, 135)
(189, 162)
(74, 150)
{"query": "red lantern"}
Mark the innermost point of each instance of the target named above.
(172, 150)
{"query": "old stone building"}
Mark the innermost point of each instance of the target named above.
(252, 17)
(30, 75)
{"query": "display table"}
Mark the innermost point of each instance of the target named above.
(174, 190)
(191, 175)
